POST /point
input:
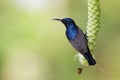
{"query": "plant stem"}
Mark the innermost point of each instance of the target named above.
(93, 26)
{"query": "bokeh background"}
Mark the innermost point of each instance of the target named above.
(34, 47)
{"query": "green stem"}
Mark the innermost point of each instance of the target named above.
(93, 25)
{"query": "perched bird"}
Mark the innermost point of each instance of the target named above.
(77, 39)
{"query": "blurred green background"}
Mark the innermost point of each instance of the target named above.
(33, 47)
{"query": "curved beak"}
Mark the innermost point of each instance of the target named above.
(57, 19)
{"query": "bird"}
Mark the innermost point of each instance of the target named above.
(77, 39)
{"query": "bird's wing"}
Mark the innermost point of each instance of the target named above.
(80, 42)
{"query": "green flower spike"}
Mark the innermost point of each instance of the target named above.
(93, 27)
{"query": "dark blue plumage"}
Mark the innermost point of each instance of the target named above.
(71, 32)
(77, 39)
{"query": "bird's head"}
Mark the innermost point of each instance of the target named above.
(66, 21)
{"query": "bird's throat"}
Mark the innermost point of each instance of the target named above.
(71, 32)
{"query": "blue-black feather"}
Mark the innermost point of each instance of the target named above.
(71, 32)
(71, 29)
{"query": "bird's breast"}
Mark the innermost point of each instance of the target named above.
(71, 33)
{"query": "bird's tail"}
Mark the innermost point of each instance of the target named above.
(89, 58)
